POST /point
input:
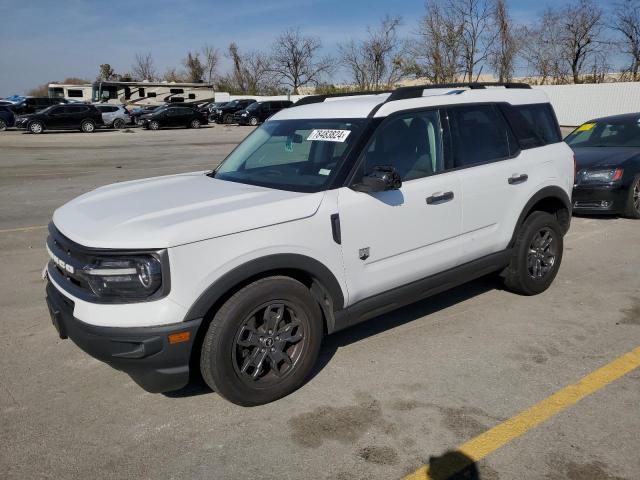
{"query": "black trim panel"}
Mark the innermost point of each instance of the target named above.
(144, 353)
(264, 265)
(419, 290)
(547, 192)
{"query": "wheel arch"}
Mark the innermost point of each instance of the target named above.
(322, 283)
(553, 200)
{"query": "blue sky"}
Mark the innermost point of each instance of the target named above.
(45, 40)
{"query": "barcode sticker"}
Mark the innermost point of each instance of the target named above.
(325, 135)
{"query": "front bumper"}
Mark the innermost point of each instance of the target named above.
(144, 353)
(604, 199)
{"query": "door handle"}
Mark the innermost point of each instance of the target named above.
(438, 198)
(515, 179)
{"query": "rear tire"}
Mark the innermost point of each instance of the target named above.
(3, 125)
(227, 118)
(154, 125)
(36, 127)
(118, 123)
(537, 255)
(88, 126)
(195, 123)
(263, 342)
(253, 121)
(632, 208)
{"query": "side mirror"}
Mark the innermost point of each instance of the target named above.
(382, 179)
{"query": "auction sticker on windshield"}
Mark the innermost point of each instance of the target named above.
(326, 135)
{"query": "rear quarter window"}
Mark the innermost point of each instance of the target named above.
(534, 125)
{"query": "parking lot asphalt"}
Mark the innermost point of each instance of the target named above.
(387, 397)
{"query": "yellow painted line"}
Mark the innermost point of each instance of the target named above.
(503, 433)
(23, 229)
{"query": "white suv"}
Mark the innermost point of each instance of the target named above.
(333, 212)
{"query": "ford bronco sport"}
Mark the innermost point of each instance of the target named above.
(332, 212)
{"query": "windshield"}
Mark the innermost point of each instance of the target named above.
(619, 133)
(298, 155)
(253, 106)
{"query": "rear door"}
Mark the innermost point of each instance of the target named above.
(396, 237)
(487, 157)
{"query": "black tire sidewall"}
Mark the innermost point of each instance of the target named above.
(534, 223)
(216, 358)
(630, 210)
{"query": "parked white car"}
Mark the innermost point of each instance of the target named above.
(332, 212)
(114, 116)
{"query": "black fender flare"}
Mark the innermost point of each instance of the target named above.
(322, 278)
(554, 192)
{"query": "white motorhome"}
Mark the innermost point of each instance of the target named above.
(141, 93)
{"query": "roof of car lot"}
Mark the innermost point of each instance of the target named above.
(362, 106)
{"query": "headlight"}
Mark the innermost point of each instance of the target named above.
(609, 175)
(244, 114)
(130, 277)
(218, 111)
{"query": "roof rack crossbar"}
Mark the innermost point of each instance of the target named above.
(321, 98)
(416, 91)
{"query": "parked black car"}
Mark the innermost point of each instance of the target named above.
(607, 152)
(137, 113)
(35, 104)
(258, 112)
(62, 117)
(7, 118)
(174, 116)
(224, 114)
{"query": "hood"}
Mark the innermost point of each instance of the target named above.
(596, 157)
(173, 210)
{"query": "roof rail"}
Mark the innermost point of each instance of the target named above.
(416, 91)
(321, 98)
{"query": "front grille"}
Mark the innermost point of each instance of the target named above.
(68, 261)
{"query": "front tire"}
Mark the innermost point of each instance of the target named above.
(263, 342)
(632, 208)
(253, 121)
(195, 123)
(154, 125)
(3, 125)
(36, 128)
(537, 255)
(118, 123)
(227, 118)
(88, 126)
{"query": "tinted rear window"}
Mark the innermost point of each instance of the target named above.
(479, 134)
(535, 125)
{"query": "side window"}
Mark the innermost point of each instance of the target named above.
(192, 96)
(535, 125)
(479, 134)
(411, 143)
(75, 93)
(56, 111)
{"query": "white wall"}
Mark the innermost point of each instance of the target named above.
(576, 104)
(225, 97)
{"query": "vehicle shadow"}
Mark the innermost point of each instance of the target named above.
(453, 465)
(402, 316)
(371, 327)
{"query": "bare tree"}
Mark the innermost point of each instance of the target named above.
(436, 55)
(582, 35)
(194, 67)
(476, 34)
(543, 49)
(173, 75)
(379, 61)
(143, 67)
(106, 73)
(211, 59)
(502, 55)
(295, 60)
(249, 71)
(626, 21)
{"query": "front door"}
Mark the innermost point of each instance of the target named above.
(393, 238)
